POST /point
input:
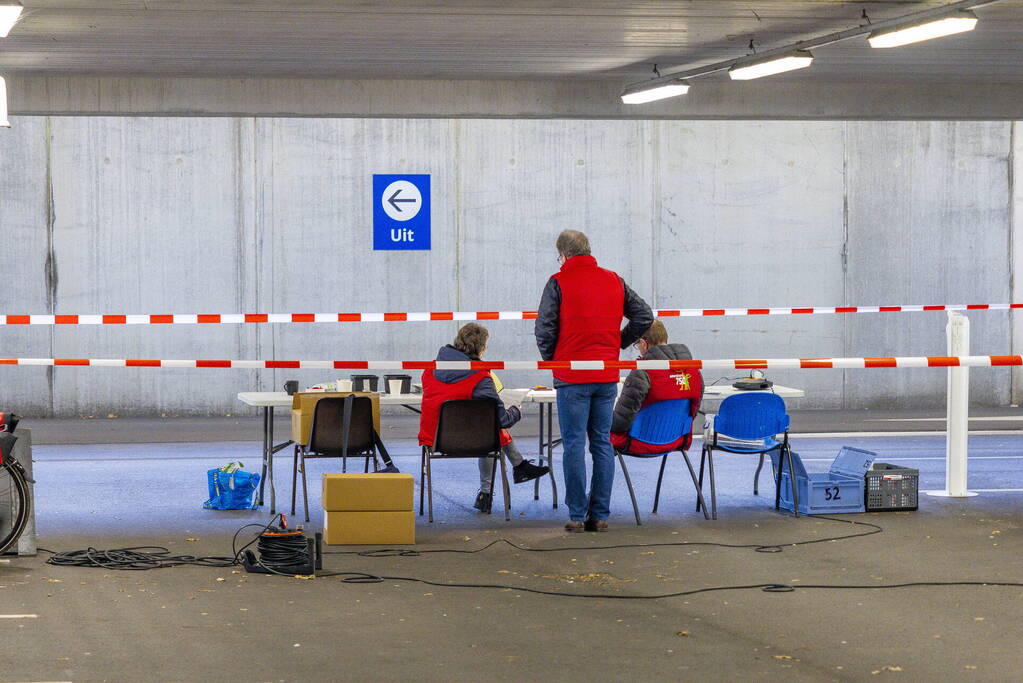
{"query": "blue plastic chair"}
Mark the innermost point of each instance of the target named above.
(661, 423)
(752, 422)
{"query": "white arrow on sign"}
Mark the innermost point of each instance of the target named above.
(401, 200)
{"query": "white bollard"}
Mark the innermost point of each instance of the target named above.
(957, 333)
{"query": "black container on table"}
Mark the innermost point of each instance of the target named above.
(406, 383)
(365, 382)
(291, 386)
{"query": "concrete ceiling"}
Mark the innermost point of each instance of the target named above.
(485, 39)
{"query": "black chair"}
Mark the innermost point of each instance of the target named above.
(342, 427)
(466, 429)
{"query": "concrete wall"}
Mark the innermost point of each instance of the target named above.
(185, 215)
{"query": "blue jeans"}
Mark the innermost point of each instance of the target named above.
(584, 410)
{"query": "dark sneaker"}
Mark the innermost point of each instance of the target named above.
(595, 525)
(390, 469)
(483, 501)
(574, 527)
(527, 471)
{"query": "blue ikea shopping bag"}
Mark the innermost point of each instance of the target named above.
(231, 488)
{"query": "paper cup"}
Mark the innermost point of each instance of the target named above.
(343, 385)
(394, 386)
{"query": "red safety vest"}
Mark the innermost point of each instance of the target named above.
(435, 393)
(590, 319)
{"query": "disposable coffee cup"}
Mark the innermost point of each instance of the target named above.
(394, 386)
(291, 386)
(343, 385)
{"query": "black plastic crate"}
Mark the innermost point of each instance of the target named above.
(890, 487)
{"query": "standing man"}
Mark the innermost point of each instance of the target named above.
(579, 317)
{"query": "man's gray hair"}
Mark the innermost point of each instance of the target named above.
(573, 243)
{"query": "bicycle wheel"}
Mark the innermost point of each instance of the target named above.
(14, 504)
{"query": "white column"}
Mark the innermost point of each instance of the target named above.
(957, 333)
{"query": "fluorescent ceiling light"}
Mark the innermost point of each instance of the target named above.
(4, 123)
(640, 93)
(757, 68)
(8, 18)
(960, 22)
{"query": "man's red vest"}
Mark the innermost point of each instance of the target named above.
(590, 319)
(435, 393)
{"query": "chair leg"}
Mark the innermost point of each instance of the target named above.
(756, 476)
(713, 490)
(632, 492)
(305, 489)
(429, 486)
(294, 479)
(344, 465)
(699, 484)
(366, 467)
(792, 478)
(506, 489)
(660, 476)
(493, 480)
(777, 484)
(700, 502)
(422, 478)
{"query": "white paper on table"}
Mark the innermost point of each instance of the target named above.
(513, 397)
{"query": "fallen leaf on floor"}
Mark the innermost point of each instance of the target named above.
(649, 552)
(221, 579)
(305, 577)
(885, 668)
(503, 571)
(782, 656)
(682, 634)
(466, 538)
(191, 539)
(969, 666)
(978, 618)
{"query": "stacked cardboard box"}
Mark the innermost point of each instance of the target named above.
(368, 509)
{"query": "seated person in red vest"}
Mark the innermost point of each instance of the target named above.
(448, 385)
(643, 387)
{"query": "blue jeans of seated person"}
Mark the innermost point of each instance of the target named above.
(584, 411)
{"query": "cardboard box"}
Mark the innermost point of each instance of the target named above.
(303, 404)
(369, 528)
(374, 492)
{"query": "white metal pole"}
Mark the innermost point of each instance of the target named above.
(957, 334)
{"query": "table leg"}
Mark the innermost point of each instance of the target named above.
(540, 450)
(262, 476)
(270, 457)
(550, 452)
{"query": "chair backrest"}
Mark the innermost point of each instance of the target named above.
(752, 416)
(468, 427)
(327, 426)
(662, 422)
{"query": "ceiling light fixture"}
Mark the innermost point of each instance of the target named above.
(745, 70)
(642, 93)
(960, 22)
(4, 123)
(949, 19)
(9, 15)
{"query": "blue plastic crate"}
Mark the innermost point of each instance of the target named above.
(840, 489)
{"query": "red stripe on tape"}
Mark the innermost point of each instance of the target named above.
(208, 318)
(71, 361)
(8, 361)
(351, 365)
(935, 308)
(670, 313)
(879, 363)
(815, 363)
(442, 316)
(487, 315)
(846, 309)
(1015, 305)
(214, 363)
(18, 319)
(977, 307)
(395, 317)
(529, 315)
(801, 311)
(143, 363)
(349, 317)
(418, 365)
(65, 319)
(758, 311)
(283, 364)
(889, 309)
(714, 311)
(751, 364)
(942, 361)
(1006, 360)
(256, 317)
(162, 319)
(115, 319)
(303, 317)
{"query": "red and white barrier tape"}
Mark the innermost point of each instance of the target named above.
(243, 318)
(734, 364)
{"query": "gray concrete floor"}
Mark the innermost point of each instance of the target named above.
(185, 624)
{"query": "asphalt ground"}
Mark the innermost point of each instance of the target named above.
(185, 623)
